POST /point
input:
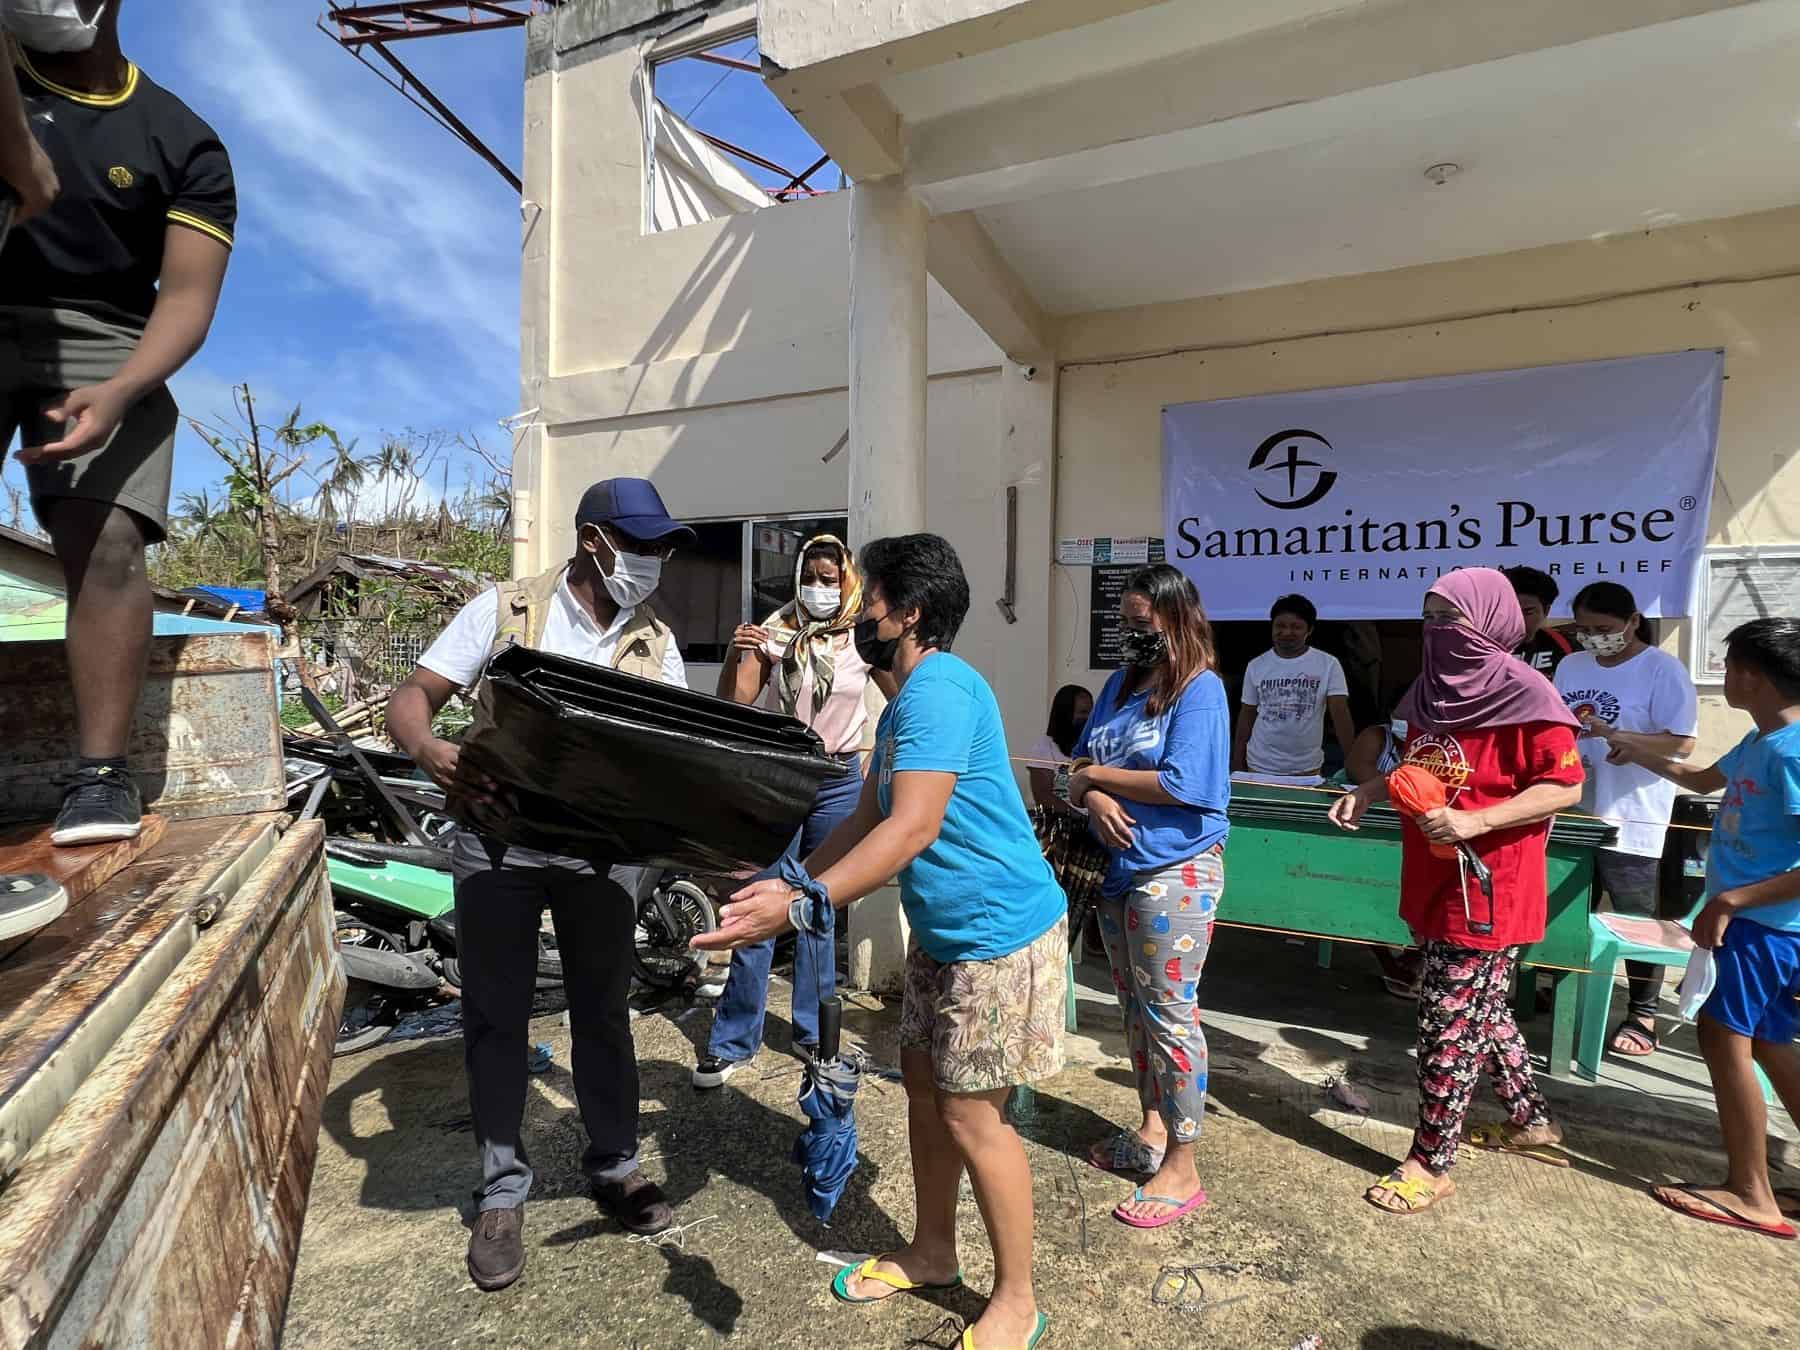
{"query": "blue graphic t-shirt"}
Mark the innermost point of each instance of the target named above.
(1756, 834)
(982, 890)
(1189, 747)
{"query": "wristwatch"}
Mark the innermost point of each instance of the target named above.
(1065, 774)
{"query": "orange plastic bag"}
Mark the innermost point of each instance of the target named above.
(1416, 791)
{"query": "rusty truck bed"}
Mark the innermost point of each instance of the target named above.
(164, 1051)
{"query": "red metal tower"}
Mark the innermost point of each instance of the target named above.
(360, 29)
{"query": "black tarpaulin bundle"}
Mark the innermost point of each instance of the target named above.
(595, 764)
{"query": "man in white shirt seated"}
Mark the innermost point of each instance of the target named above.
(595, 607)
(1287, 693)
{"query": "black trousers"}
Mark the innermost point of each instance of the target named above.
(499, 906)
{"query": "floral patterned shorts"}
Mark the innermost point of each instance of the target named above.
(989, 1024)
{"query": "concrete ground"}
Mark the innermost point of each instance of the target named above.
(1523, 1256)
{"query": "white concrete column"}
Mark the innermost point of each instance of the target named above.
(887, 361)
(887, 458)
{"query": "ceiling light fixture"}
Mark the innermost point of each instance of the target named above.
(1439, 174)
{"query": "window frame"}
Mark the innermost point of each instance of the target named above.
(747, 551)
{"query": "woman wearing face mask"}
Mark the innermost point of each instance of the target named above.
(1069, 713)
(802, 662)
(1495, 733)
(1626, 692)
(1152, 769)
(982, 1009)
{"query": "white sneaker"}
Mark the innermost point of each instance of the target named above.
(27, 903)
(712, 1072)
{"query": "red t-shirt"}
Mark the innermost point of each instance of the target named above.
(1479, 768)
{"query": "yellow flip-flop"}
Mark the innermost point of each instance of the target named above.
(1497, 1139)
(1037, 1334)
(840, 1283)
(1416, 1194)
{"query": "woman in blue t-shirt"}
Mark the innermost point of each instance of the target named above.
(1153, 772)
(982, 1010)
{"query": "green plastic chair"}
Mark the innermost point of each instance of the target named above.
(1671, 946)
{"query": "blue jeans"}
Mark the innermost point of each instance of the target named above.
(737, 1028)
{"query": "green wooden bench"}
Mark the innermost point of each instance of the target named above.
(1288, 869)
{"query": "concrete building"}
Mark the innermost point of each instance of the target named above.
(1067, 214)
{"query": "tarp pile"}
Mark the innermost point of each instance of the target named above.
(595, 764)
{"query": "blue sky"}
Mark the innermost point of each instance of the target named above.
(375, 278)
(376, 275)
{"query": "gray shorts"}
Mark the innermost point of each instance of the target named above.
(44, 353)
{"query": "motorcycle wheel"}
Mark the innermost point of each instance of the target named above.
(369, 1016)
(363, 1028)
(661, 958)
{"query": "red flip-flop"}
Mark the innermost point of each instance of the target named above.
(1721, 1215)
(1182, 1209)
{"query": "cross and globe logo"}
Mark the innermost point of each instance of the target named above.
(1306, 480)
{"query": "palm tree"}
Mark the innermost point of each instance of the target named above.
(205, 522)
(344, 477)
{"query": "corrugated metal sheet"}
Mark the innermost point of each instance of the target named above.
(206, 741)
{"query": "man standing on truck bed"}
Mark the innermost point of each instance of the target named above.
(103, 296)
(594, 608)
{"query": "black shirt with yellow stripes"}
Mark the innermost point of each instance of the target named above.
(131, 164)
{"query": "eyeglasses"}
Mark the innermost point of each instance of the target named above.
(641, 548)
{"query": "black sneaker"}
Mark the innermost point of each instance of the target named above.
(100, 805)
(712, 1072)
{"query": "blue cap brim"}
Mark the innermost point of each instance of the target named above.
(654, 528)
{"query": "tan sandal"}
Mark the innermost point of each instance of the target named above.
(1415, 1194)
(1505, 1139)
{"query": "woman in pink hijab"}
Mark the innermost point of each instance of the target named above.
(1498, 738)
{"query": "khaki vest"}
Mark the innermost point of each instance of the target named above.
(525, 604)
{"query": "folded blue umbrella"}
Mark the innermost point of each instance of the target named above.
(826, 1148)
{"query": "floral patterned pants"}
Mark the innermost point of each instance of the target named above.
(1465, 1027)
(1157, 935)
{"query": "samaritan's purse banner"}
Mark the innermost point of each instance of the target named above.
(1360, 497)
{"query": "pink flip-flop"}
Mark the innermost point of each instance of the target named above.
(1181, 1211)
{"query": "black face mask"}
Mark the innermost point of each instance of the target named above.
(1143, 649)
(876, 651)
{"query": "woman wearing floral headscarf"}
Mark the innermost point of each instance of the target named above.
(801, 662)
(1498, 736)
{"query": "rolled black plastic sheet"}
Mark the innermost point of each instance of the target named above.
(595, 764)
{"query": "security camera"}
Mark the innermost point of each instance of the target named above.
(1029, 372)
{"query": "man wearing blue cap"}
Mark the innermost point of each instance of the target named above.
(595, 607)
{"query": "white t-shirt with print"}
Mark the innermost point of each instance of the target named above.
(1289, 698)
(1650, 692)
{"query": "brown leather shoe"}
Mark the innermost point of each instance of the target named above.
(637, 1203)
(497, 1248)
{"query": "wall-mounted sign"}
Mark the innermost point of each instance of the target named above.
(1736, 586)
(1100, 550)
(1107, 588)
(1360, 497)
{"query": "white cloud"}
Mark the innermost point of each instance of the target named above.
(345, 177)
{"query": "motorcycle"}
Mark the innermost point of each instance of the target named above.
(395, 901)
(671, 910)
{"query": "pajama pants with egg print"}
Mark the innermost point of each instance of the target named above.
(1157, 935)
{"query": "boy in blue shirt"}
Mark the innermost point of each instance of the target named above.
(982, 1010)
(1750, 921)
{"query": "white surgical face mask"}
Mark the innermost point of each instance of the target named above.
(634, 576)
(50, 25)
(821, 601)
(1605, 644)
